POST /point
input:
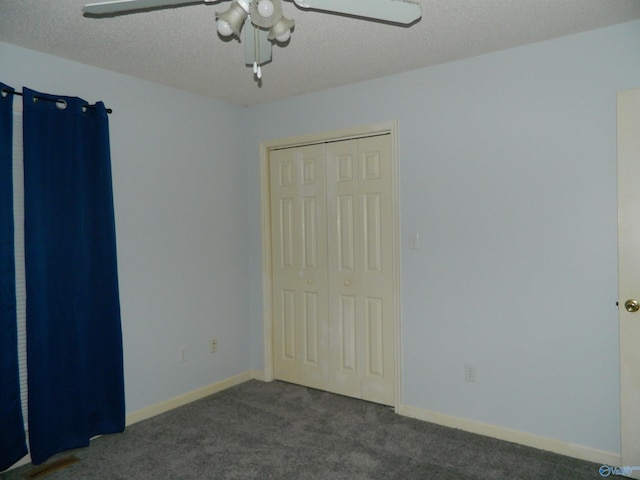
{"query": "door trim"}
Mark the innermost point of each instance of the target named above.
(390, 127)
(628, 119)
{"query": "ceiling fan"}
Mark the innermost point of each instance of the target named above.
(268, 25)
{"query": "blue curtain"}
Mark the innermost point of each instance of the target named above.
(74, 340)
(12, 437)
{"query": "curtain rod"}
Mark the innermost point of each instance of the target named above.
(47, 99)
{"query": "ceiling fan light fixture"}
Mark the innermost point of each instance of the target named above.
(281, 31)
(259, 9)
(267, 24)
(230, 22)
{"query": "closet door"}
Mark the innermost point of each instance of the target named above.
(361, 290)
(299, 256)
(332, 254)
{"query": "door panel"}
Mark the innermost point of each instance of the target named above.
(287, 324)
(372, 234)
(344, 212)
(346, 326)
(629, 272)
(311, 329)
(344, 224)
(377, 284)
(286, 226)
(374, 339)
(299, 255)
(361, 268)
(309, 233)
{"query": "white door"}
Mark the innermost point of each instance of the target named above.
(333, 279)
(629, 273)
(361, 335)
(299, 256)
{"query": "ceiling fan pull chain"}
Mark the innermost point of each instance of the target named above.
(255, 50)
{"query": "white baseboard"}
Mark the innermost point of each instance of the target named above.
(522, 438)
(188, 397)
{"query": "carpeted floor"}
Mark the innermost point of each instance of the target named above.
(280, 431)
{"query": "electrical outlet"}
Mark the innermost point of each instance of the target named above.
(214, 345)
(469, 372)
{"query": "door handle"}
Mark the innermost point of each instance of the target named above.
(632, 305)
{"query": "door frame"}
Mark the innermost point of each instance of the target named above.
(628, 117)
(389, 127)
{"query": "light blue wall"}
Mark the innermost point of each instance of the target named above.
(508, 172)
(179, 180)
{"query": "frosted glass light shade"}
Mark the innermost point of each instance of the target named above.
(266, 8)
(281, 31)
(259, 10)
(224, 28)
(284, 37)
(234, 18)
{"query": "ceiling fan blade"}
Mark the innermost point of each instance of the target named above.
(121, 6)
(395, 11)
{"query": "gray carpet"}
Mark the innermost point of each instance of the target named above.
(280, 431)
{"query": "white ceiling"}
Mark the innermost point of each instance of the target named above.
(180, 47)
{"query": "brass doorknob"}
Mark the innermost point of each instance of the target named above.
(632, 305)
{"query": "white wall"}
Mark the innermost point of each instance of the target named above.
(508, 172)
(180, 198)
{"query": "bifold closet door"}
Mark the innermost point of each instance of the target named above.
(360, 236)
(332, 256)
(299, 257)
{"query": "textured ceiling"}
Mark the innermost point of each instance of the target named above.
(180, 47)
